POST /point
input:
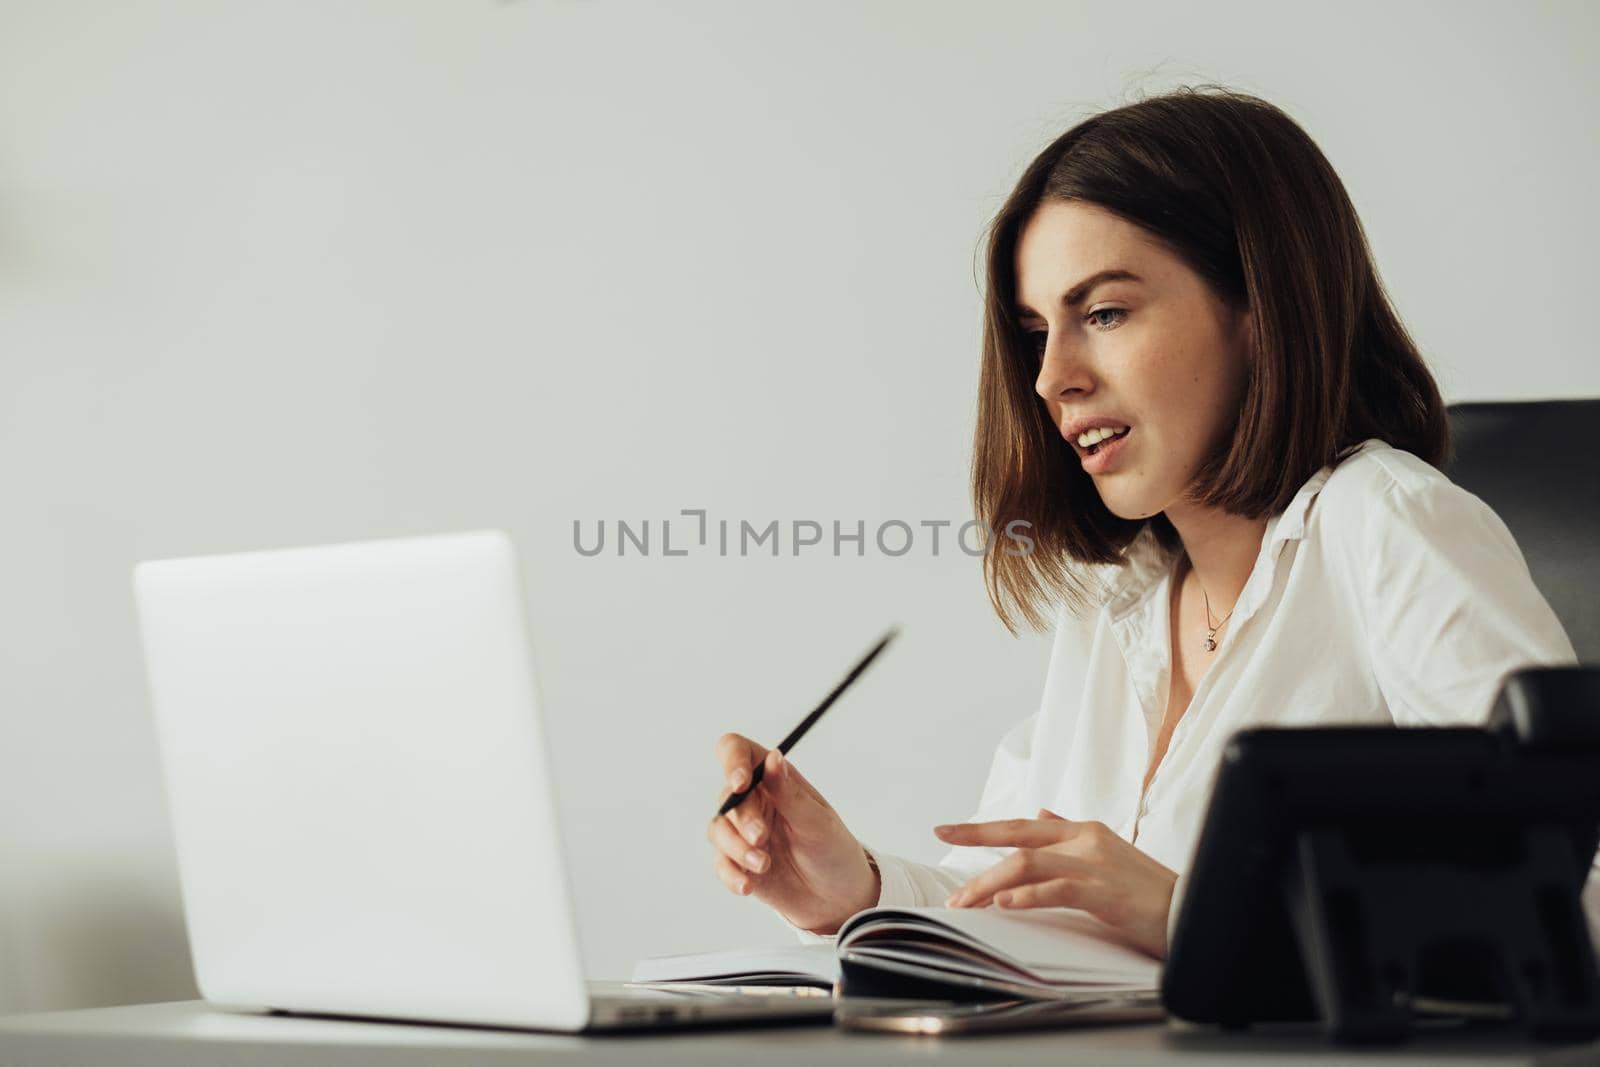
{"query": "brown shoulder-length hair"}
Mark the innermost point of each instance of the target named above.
(1237, 190)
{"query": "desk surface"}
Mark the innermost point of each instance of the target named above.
(189, 1032)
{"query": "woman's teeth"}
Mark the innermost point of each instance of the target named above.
(1090, 438)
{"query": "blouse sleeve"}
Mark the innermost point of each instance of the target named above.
(1450, 610)
(1450, 606)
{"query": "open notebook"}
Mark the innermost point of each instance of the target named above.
(943, 953)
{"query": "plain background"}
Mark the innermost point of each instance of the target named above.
(289, 273)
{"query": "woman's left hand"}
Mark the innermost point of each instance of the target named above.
(1068, 864)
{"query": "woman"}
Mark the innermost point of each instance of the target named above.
(1266, 540)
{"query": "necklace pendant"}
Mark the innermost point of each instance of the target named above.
(1211, 645)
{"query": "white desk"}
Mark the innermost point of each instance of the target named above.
(187, 1032)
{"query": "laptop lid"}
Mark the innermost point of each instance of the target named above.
(360, 792)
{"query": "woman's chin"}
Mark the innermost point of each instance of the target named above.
(1125, 508)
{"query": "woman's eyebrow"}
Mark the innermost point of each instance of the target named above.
(1075, 296)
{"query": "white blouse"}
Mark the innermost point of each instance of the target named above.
(1383, 593)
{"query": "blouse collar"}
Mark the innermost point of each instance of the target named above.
(1147, 562)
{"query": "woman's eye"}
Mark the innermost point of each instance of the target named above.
(1038, 338)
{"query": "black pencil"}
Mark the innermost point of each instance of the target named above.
(809, 721)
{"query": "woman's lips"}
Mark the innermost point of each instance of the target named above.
(1103, 457)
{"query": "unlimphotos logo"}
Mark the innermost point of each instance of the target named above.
(726, 537)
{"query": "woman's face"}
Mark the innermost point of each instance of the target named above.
(1157, 352)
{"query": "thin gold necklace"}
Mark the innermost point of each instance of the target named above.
(1211, 629)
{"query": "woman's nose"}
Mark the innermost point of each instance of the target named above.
(1059, 373)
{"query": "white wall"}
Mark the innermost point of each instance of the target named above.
(286, 273)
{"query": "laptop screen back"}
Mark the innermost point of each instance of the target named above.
(363, 808)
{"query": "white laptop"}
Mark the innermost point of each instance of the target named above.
(361, 794)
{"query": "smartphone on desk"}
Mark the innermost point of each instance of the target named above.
(974, 1017)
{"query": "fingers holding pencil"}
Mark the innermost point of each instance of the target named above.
(743, 765)
(775, 837)
(786, 846)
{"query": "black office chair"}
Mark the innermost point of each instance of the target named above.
(1536, 462)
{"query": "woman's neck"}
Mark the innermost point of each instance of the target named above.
(1221, 550)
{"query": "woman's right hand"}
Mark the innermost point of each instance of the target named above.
(785, 844)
